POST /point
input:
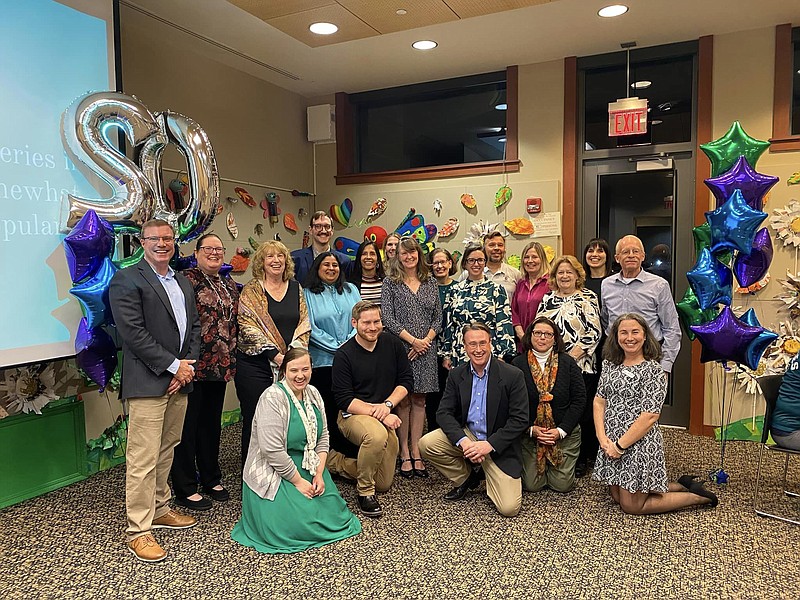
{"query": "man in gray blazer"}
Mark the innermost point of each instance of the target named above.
(156, 317)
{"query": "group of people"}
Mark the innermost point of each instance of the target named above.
(338, 365)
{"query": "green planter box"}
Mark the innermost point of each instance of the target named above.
(41, 453)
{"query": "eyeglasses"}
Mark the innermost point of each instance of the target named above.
(476, 261)
(439, 263)
(475, 345)
(209, 250)
(318, 227)
(167, 239)
(542, 334)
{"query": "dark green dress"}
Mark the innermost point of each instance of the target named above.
(292, 522)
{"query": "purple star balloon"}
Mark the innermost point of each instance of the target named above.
(750, 268)
(95, 353)
(89, 242)
(93, 295)
(734, 224)
(726, 338)
(742, 177)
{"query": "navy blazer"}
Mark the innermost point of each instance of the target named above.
(304, 258)
(506, 411)
(149, 331)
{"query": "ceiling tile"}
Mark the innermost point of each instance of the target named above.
(269, 9)
(382, 14)
(350, 26)
(475, 8)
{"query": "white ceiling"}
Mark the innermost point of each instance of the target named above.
(529, 35)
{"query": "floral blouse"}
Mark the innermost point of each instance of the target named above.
(217, 303)
(476, 301)
(577, 317)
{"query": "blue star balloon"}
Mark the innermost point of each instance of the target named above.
(734, 224)
(89, 242)
(725, 151)
(725, 338)
(759, 345)
(93, 295)
(711, 281)
(742, 177)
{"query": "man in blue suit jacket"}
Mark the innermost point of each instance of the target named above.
(156, 316)
(321, 232)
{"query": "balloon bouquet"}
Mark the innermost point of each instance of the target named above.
(137, 195)
(730, 244)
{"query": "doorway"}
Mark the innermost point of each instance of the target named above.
(652, 198)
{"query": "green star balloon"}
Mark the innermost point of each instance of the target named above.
(690, 313)
(702, 239)
(725, 151)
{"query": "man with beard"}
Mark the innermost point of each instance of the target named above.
(321, 229)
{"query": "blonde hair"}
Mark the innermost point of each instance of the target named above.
(544, 264)
(572, 262)
(257, 267)
(395, 268)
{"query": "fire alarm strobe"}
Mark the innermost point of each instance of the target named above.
(533, 206)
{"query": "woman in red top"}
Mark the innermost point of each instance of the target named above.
(530, 289)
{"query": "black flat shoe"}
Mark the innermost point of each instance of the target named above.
(407, 474)
(580, 469)
(369, 506)
(222, 495)
(687, 480)
(202, 504)
(458, 492)
(698, 489)
(419, 472)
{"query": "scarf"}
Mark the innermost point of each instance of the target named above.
(544, 380)
(305, 408)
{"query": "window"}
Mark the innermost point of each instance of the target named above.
(453, 127)
(786, 97)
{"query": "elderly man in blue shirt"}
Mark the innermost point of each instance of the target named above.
(634, 290)
(482, 414)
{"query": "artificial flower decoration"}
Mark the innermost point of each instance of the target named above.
(725, 151)
(28, 389)
(734, 224)
(711, 281)
(742, 177)
(478, 231)
(726, 338)
(791, 294)
(786, 223)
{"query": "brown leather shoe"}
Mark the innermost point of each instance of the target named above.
(146, 548)
(174, 520)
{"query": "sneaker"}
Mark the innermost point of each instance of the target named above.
(369, 506)
(174, 520)
(146, 548)
(201, 504)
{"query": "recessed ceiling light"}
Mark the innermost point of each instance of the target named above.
(641, 85)
(496, 129)
(323, 28)
(614, 10)
(401, 11)
(424, 45)
(502, 106)
(656, 122)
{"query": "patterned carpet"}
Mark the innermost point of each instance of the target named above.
(69, 544)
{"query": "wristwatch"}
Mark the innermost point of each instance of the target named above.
(389, 404)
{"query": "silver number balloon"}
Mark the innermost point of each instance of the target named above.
(85, 127)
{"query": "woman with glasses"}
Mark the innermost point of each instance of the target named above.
(367, 273)
(410, 310)
(476, 299)
(217, 300)
(443, 269)
(273, 318)
(530, 289)
(557, 397)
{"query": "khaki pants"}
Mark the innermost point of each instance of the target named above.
(560, 478)
(503, 490)
(377, 454)
(154, 429)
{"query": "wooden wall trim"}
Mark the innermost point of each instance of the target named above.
(491, 167)
(704, 133)
(345, 155)
(782, 139)
(569, 167)
(512, 113)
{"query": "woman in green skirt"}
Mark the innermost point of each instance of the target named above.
(289, 502)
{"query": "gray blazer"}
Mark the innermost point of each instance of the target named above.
(149, 332)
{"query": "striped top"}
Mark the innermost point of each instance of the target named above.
(370, 289)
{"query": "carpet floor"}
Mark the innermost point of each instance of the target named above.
(70, 544)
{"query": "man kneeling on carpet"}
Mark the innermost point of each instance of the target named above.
(482, 415)
(371, 375)
(289, 502)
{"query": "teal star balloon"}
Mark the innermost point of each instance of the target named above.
(734, 225)
(725, 151)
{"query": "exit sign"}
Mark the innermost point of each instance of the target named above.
(627, 116)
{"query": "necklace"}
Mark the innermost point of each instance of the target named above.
(226, 308)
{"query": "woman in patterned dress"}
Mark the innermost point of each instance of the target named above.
(629, 397)
(574, 308)
(411, 310)
(476, 299)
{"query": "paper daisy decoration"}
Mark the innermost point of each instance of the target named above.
(28, 389)
(791, 294)
(777, 356)
(786, 223)
(480, 230)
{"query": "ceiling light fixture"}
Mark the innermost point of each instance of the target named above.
(641, 85)
(656, 122)
(502, 106)
(401, 11)
(614, 10)
(323, 28)
(424, 45)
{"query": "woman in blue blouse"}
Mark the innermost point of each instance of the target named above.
(330, 300)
